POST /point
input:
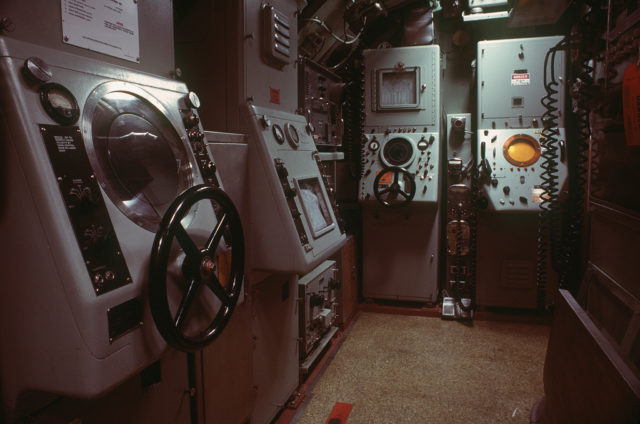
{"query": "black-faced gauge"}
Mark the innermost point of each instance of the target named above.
(292, 135)
(59, 103)
(278, 133)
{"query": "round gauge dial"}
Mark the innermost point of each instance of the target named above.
(374, 145)
(278, 133)
(292, 135)
(59, 103)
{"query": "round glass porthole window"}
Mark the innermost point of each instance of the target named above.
(397, 152)
(521, 150)
(136, 152)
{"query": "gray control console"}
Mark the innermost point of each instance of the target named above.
(294, 224)
(510, 149)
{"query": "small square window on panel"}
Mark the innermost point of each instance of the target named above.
(517, 102)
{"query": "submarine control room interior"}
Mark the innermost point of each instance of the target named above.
(319, 211)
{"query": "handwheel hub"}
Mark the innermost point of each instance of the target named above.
(207, 268)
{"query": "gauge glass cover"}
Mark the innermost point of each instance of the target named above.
(278, 133)
(292, 135)
(59, 103)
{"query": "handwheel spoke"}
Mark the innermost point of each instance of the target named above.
(396, 177)
(385, 191)
(214, 284)
(216, 235)
(185, 303)
(403, 194)
(186, 243)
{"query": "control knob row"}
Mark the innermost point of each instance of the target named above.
(195, 134)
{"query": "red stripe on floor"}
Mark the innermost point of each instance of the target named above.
(340, 413)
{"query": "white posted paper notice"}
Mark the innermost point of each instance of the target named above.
(105, 26)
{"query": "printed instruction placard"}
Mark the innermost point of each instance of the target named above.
(105, 26)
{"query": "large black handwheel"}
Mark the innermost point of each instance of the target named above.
(389, 196)
(199, 271)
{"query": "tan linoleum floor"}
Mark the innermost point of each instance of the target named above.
(408, 369)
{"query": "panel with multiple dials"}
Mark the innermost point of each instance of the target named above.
(416, 154)
(319, 99)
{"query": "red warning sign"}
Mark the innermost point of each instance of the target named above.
(274, 96)
(520, 79)
(631, 104)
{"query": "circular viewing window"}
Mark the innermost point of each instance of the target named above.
(398, 152)
(139, 158)
(521, 150)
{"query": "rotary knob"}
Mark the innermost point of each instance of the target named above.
(374, 145)
(37, 69)
(289, 193)
(422, 144)
(79, 195)
(191, 120)
(210, 169)
(282, 171)
(195, 135)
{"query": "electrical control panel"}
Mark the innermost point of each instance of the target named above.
(95, 155)
(513, 174)
(320, 100)
(400, 180)
(511, 82)
(294, 223)
(511, 153)
(318, 305)
(401, 145)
